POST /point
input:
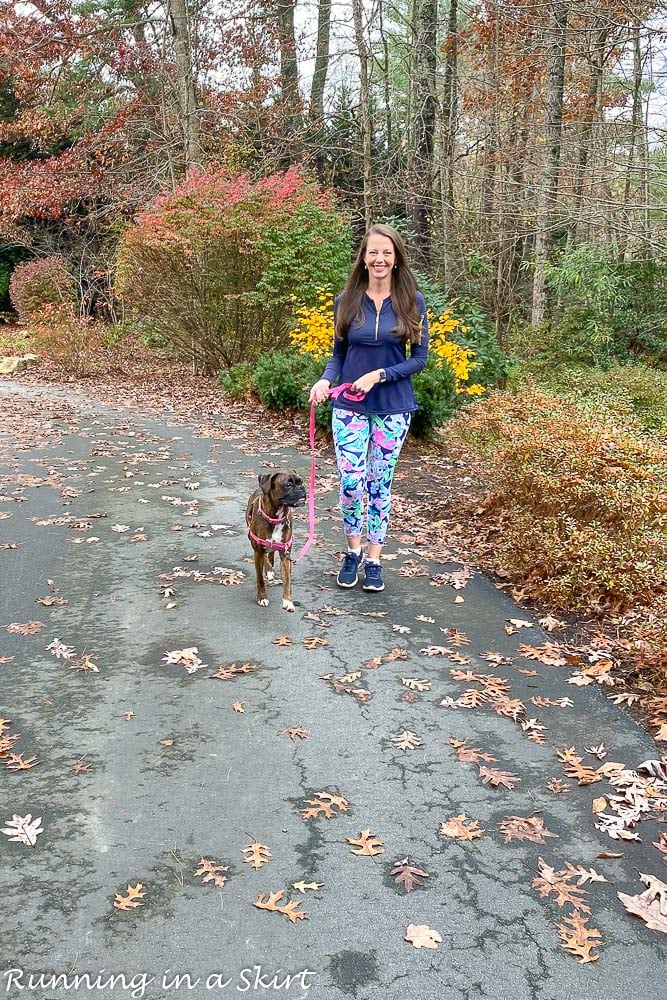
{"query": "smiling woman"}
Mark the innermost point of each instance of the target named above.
(379, 313)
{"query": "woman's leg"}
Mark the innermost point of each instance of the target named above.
(387, 436)
(351, 432)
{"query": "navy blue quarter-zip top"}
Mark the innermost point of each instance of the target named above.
(372, 344)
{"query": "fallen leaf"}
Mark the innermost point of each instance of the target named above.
(23, 829)
(406, 740)
(295, 734)
(313, 641)
(366, 844)
(131, 900)
(407, 875)
(650, 905)
(17, 763)
(272, 903)
(422, 936)
(257, 855)
(238, 707)
(303, 886)
(524, 828)
(579, 939)
(416, 685)
(495, 778)
(324, 804)
(128, 715)
(26, 628)
(212, 872)
(167, 743)
(458, 828)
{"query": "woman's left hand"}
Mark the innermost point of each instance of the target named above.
(366, 382)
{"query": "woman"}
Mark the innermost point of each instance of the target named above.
(377, 315)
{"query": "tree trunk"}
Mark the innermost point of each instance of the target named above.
(553, 121)
(364, 110)
(638, 151)
(425, 18)
(450, 255)
(321, 63)
(587, 132)
(177, 12)
(289, 67)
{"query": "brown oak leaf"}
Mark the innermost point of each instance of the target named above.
(407, 875)
(313, 641)
(130, 901)
(26, 628)
(524, 828)
(17, 763)
(211, 872)
(406, 740)
(295, 734)
(324, 804)
(272, 903)
(257, 855)
(579, 939)
(366, 844)
(650, 905)
(491, 776)
(459, 828)
(414, 684)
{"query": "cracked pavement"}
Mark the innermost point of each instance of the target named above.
(147, 812)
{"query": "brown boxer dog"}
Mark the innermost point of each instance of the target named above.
(269, 519)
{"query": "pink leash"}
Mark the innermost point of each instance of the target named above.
(340, 390)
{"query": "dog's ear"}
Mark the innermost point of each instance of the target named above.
(265, 481)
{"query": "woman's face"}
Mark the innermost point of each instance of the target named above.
(380, 256)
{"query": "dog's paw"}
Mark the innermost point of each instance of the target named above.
(263, 602)
(288, 605)
(270, 575)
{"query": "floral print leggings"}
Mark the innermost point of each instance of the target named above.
(367, 449)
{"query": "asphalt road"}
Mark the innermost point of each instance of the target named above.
(136, 504)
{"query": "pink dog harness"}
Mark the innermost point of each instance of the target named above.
(269, 543)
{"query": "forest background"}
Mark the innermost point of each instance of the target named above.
(190, 177)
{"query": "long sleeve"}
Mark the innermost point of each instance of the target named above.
(418, 353)
(335, 363)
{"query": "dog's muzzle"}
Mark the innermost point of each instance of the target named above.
(296, 497)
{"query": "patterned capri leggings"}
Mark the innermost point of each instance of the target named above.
(367, 449)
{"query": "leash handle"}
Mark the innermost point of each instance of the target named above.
(354, 395)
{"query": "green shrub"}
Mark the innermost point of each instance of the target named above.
(239, 381)
(283, 379)
(579, 504)
(491, 362)
(38, 283)
(218, 267)
(635, 393)
(435, 390)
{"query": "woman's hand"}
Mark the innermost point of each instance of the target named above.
(319, 392)
(366, 382)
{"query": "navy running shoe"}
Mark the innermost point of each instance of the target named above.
(349, 571)
(373, 579)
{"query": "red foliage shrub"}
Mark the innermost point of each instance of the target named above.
(39, 283)
(218, 267)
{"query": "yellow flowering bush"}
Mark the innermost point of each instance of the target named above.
(314, 333)
(459, 359)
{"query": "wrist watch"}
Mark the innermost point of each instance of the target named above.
(383, 375)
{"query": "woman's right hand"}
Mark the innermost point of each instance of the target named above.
(319, 392)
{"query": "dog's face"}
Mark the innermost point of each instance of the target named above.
(286, 488)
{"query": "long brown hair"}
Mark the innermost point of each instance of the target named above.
(403, 290)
